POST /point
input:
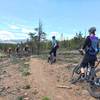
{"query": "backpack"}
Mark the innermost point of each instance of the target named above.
(93, 49)
(57, 46)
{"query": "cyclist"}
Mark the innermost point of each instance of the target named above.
(26, 49)
(9, 51)
(54, 48)
(91, 49)
(17, 49)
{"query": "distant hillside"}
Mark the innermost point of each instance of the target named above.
(12, 41)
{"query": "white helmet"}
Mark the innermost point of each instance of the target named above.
(92, 29)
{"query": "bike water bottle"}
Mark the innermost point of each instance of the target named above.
(88, 71)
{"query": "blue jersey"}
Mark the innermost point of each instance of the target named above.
(54, 43)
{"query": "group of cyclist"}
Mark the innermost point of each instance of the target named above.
(18, 49)
(26, 48)
(90, 49)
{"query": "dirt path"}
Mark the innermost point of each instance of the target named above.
(45, 79)
(42, 80)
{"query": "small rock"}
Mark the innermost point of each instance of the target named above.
(65, 86)
(85, 92)
(26, 98)
(25, 94)
(77, 88)
(35, 92)
(77, 93)
(72, 85)
(26, 63)
(4, 72)
(69, 87)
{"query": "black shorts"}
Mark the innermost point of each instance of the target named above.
(88, 59)
(53, 50)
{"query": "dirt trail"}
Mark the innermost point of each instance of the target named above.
(44, 78)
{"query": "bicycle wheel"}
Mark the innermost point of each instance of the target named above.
(94, 86)
(76, 74)
(50, 59)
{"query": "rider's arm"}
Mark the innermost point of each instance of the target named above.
(87, 42)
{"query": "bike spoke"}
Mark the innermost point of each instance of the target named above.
(75, 75)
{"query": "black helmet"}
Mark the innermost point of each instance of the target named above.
(92, 30)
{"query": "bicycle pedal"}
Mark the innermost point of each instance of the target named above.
(82, 78)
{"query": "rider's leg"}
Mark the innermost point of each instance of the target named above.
(92, 60)
(92, 64)
(84, 64)
(82, 70)
(55, 50)
(50, 52)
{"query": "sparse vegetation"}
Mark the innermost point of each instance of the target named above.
(24, 69)
(20, 98)
(46, 98)
(2, 55)
(14, 60)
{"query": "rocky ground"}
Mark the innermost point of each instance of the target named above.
(35, 79)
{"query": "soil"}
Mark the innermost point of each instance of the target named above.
(44, 80)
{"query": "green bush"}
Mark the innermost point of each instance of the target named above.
(46, 98)
(20, 98)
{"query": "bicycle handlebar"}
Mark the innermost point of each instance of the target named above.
(81, 52)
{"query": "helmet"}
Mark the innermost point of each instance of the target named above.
(92, 30)
(53, 37)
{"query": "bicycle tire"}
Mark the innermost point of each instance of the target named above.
(75, 78)
(92, 87)
(50, 60)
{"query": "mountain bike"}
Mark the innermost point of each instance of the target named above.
(51, 59)
(91, 76)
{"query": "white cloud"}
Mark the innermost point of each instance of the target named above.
(54, 33)
(5, 35)
(26, 30)
(14, 27)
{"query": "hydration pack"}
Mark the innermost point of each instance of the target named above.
(57, 46)
(93, 49)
